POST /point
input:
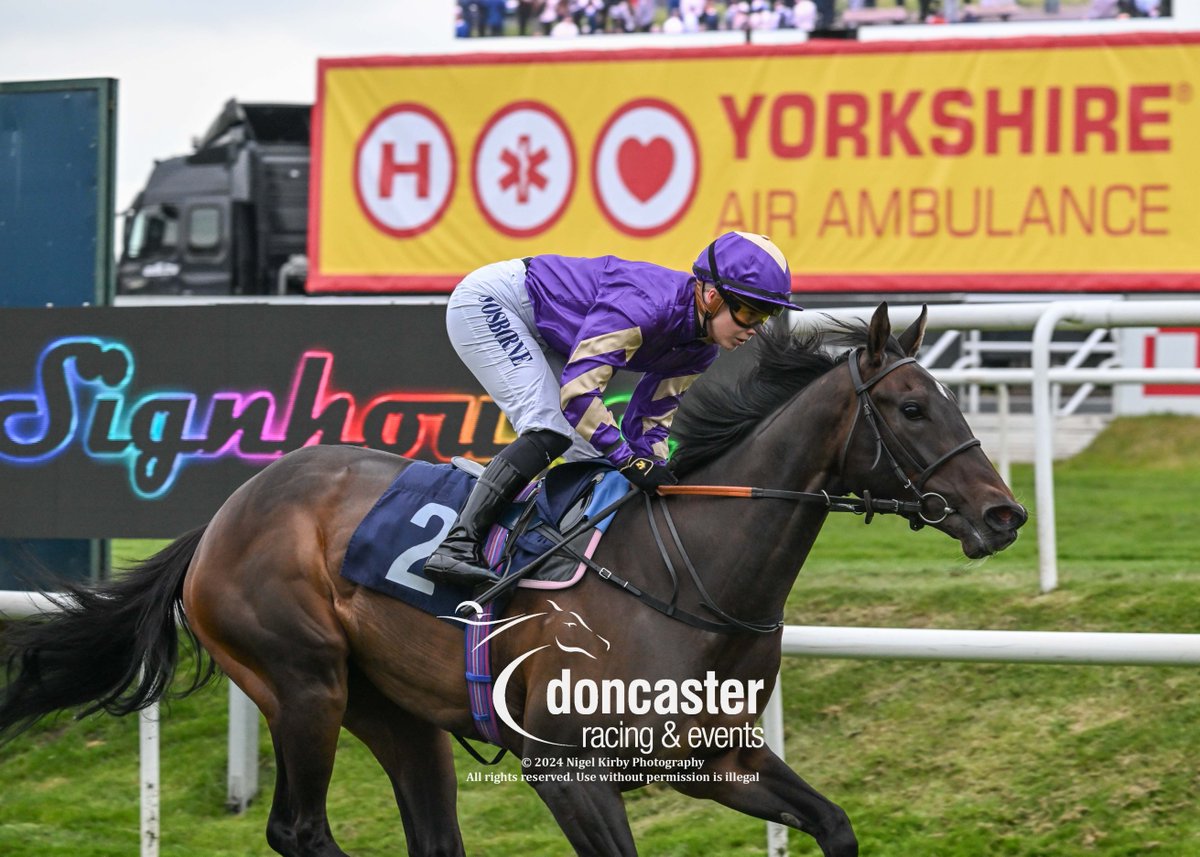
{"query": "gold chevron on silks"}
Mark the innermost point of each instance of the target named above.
(628, 340)
(595, 416)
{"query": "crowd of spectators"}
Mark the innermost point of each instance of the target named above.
(581, 17)
(1130, 8)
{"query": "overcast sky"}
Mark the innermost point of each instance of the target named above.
(177, 62)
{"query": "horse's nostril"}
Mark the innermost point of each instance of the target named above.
(1005, 516)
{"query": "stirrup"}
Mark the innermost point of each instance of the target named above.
(457, 577)
(458, 571)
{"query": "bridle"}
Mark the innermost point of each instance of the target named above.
(870, 411)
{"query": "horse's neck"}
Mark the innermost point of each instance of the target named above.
(749, 551)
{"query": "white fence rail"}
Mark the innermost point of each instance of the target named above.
(1007, 647)
(20, 605)
(242, 769)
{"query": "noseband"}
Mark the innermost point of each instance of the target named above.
(869, 411)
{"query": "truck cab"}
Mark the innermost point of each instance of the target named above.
(230, 218)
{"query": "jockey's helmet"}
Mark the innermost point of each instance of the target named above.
(747, 270)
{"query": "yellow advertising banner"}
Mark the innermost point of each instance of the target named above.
(1030, 164)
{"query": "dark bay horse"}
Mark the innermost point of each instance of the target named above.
(588, 676)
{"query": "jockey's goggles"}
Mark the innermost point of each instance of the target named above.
(746, 313)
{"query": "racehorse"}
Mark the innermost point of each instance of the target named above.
(259, 589)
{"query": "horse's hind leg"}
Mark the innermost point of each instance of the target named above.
(289, 655)
(759, 783)
(416, 756)
(303, 697)
(305, 742)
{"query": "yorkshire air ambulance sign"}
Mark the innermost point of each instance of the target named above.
(1006, 165)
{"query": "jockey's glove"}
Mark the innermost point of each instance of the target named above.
(646, 473)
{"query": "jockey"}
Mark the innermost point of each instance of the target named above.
(545, 334)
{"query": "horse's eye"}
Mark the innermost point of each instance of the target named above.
(911, 410)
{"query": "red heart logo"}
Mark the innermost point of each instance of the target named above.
(645, 167)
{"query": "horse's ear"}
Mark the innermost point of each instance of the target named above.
(877, 335)
(911, 339)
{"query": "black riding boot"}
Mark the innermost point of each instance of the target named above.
(459, 558)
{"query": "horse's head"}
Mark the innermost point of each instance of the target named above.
(909, 440)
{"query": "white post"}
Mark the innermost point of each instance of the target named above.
(148, 741)
(1043, 439)
(1005, 456)
(243, 750)
(777, 834)
(975, 339)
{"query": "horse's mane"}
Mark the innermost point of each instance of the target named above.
(718, 413)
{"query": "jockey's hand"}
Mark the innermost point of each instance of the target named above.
(646, 473)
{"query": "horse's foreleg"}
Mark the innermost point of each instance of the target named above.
(591, 814)
(758, 783)
(418, 760)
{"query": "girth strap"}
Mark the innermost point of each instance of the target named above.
(479, 685)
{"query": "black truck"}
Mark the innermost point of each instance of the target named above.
(230, 218)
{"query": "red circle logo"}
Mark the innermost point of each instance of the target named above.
(646, 167)
(523, 169)
(404, 170)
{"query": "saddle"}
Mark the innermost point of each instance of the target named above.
(389, 547)
(536, 521)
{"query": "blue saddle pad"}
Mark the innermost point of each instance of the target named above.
(388, 550)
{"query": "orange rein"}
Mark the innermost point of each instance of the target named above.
(706, 490)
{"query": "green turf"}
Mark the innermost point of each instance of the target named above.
(930, 760)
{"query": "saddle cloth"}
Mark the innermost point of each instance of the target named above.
(389, 547)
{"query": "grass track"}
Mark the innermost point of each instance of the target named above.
(930, 760)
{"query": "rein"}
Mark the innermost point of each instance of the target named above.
(866, 505)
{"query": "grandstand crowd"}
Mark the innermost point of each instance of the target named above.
(582, 17)
(567, 18)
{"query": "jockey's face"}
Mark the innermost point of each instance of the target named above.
(723, 330)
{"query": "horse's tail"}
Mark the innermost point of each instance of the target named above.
(113, 646)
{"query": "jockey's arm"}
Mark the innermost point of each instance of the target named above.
(647, 422)
(608, 339)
